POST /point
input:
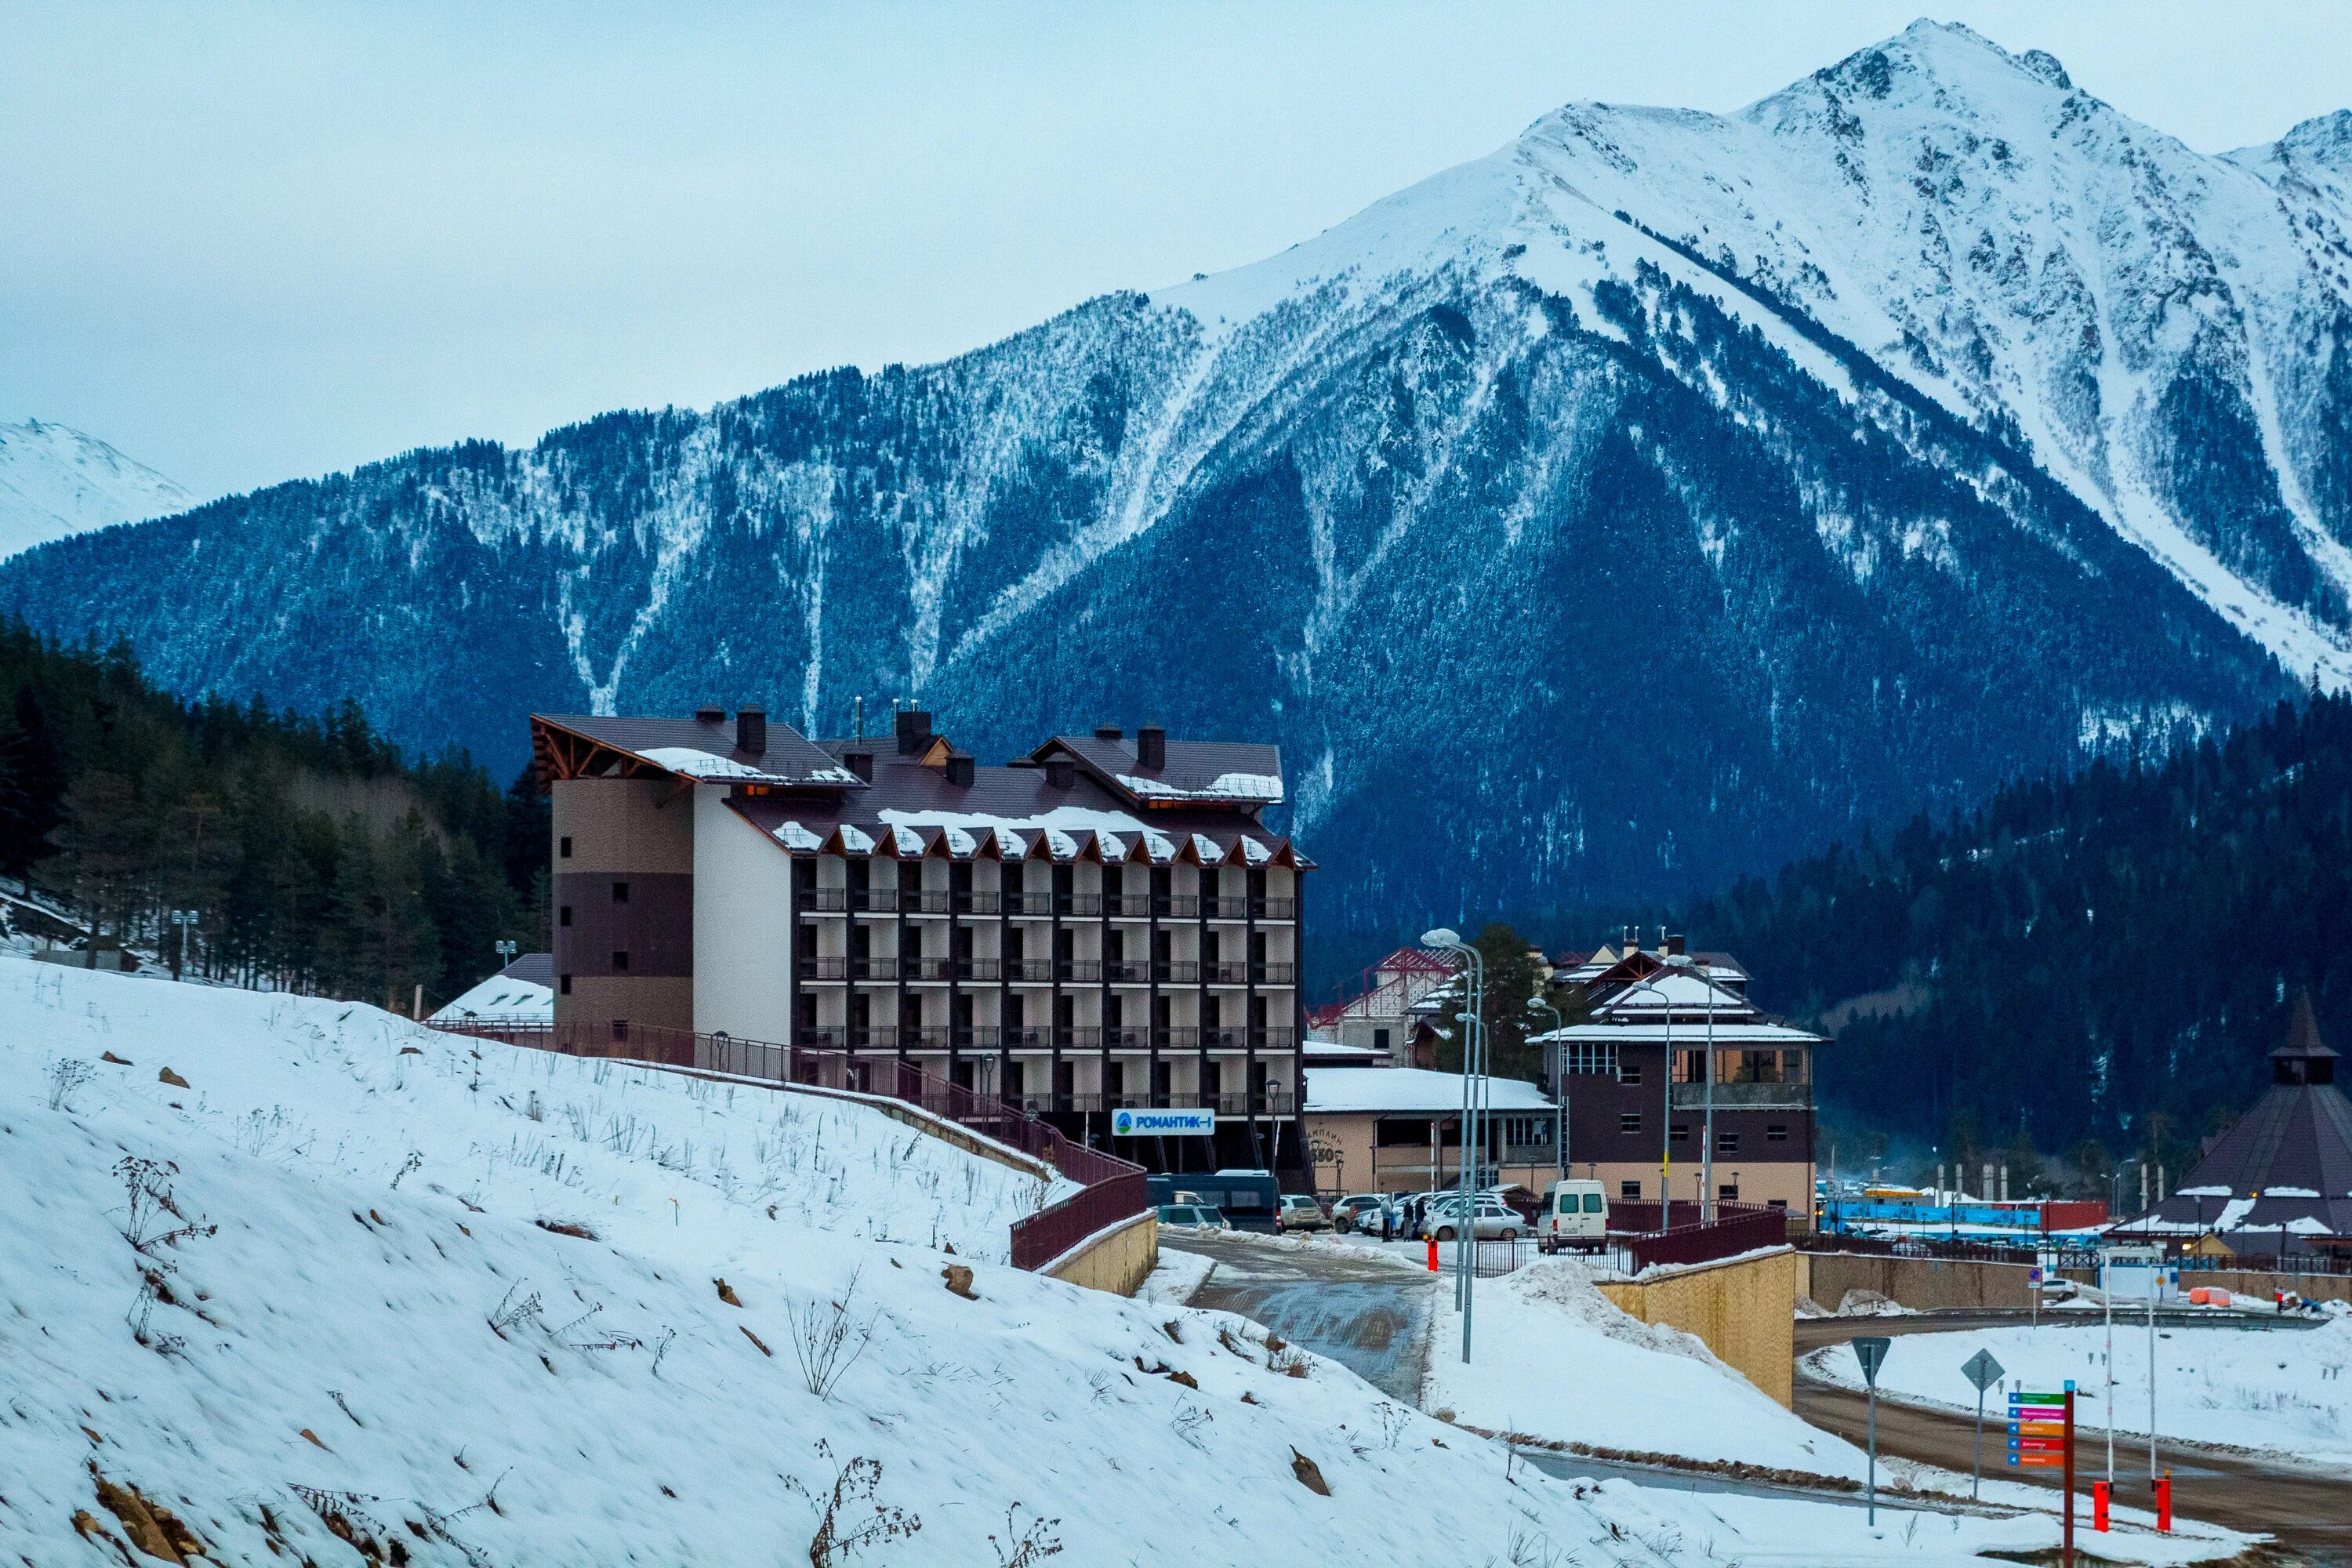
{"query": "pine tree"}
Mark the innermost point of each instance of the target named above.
(32, 784)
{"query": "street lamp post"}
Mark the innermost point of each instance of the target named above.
(1474, 1103)
(182, 919)
(1558, 1088)
(507, 950)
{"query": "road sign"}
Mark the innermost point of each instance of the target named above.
(2037, 1428)
(1871, 1352)
(2030, 1459)
(1982, 1370)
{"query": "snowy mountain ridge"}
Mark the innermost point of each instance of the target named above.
(56, 482)
(1922, 425)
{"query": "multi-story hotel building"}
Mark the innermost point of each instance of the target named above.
(1104, 924)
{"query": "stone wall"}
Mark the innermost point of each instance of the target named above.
(1117, 1260)
(1923, 1284)
(1744, 1310)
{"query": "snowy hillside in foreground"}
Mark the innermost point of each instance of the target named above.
(56, 482)
(312, 1365)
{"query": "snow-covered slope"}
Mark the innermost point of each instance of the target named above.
(1923, 423)
(301, 1296)
(55, 482)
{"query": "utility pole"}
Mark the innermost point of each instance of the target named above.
(181, 920)
(1706, 1155)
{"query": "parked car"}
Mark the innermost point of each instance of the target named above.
(1192, 1216)
(1492, 1220)
(1521, 1201)
(1357, 1210)
(1574, 1217)
(1298, 1210)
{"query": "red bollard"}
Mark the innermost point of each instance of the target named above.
(1433, 1254)
(2099, 1505)
(2164, 1504)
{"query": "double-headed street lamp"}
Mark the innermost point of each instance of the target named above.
(1558, 1094)
(1475, 1097)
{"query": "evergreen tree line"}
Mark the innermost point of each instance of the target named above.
(2099, 959)
(314, 857)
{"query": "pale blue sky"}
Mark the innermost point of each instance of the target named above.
(250, 243)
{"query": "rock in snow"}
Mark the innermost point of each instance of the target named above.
(1649, 500)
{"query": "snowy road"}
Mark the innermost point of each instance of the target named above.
(1369, 1315)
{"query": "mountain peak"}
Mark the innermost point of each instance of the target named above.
(56, 480)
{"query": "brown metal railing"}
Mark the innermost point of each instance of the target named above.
(1736, 1228)
(1112, 1189)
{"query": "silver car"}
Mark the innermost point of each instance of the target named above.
(1492, 1220)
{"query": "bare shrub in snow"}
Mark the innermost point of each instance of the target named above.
(509, 1311)
(828, 1338)
(1188, 1420)
(147, 1184)
(849, 1519)
(64, 1078)
(1024, 1546)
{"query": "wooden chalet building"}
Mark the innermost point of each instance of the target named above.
(1625, 1122)
(1103, 923)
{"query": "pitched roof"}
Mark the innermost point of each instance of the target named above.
(1223, 773)
(697, 749)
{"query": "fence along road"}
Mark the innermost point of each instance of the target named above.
(1112, 1189)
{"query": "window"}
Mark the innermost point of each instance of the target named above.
(1592, 1203)
(1678, 1133)
(563, 985)
(1629, 1192)
(1777, 1132)
(620, 1028)
(1587, 1057)
(1629, 1122)
(1527, 1132)
(1629, 1072)
(620, 960)
(563, 916)
(563, 846)
(1727, 1142)
(620, 892)
(1381, 1041)
(1727, 1193)
(1781, 1203)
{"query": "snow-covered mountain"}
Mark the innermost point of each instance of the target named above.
(1652, 499)
(56, 482)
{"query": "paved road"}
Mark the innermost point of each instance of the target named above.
(1372, 1317)
(2309, 1511)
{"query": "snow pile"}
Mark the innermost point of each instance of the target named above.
(310, 1294)
(1557, 1360)
(2285, 1389)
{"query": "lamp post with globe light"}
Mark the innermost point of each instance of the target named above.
(1559, 1096)
(1474, 1098)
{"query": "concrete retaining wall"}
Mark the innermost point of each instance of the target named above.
(1923, 1284)
(1745, 1310)
(1118, 1259)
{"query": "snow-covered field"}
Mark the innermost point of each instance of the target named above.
(304, 1302)
(1562, 1364)
(2283, 1389)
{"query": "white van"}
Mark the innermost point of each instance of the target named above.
(1574, 1218)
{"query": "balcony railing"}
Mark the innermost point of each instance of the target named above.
(896, 900)
(1746, 1096)
(1222, 908)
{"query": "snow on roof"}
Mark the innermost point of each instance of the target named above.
(1410, 1089)
(959, 841)
(1157, 845)
(793, 836)
(854, 840)
(907, 840)
(1225, 787)
(501, 996)
(1206, 848)
(1687, 1032)
(697, 764)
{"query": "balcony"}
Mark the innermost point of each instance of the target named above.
(1251, 973)
(894, 901)
(1221, 909)
(1746, 1096)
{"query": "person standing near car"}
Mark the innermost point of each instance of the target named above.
(1388, 1223)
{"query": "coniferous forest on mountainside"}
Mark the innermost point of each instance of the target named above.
(315, 857)
(2107, 957)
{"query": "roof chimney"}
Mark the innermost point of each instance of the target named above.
(1060, 772)
(1109, 732)
(751, 731)
(1152, 746)
(1675, 946)
(859, 762)
(914, 729)
(959, 770)
(714, 714)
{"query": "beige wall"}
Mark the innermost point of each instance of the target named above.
(1746, 1312)
(1119, 1262)
(1923, 1284)
(1345, 1162)
(623, 824)
(1791, 1181)
(660, 1002)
